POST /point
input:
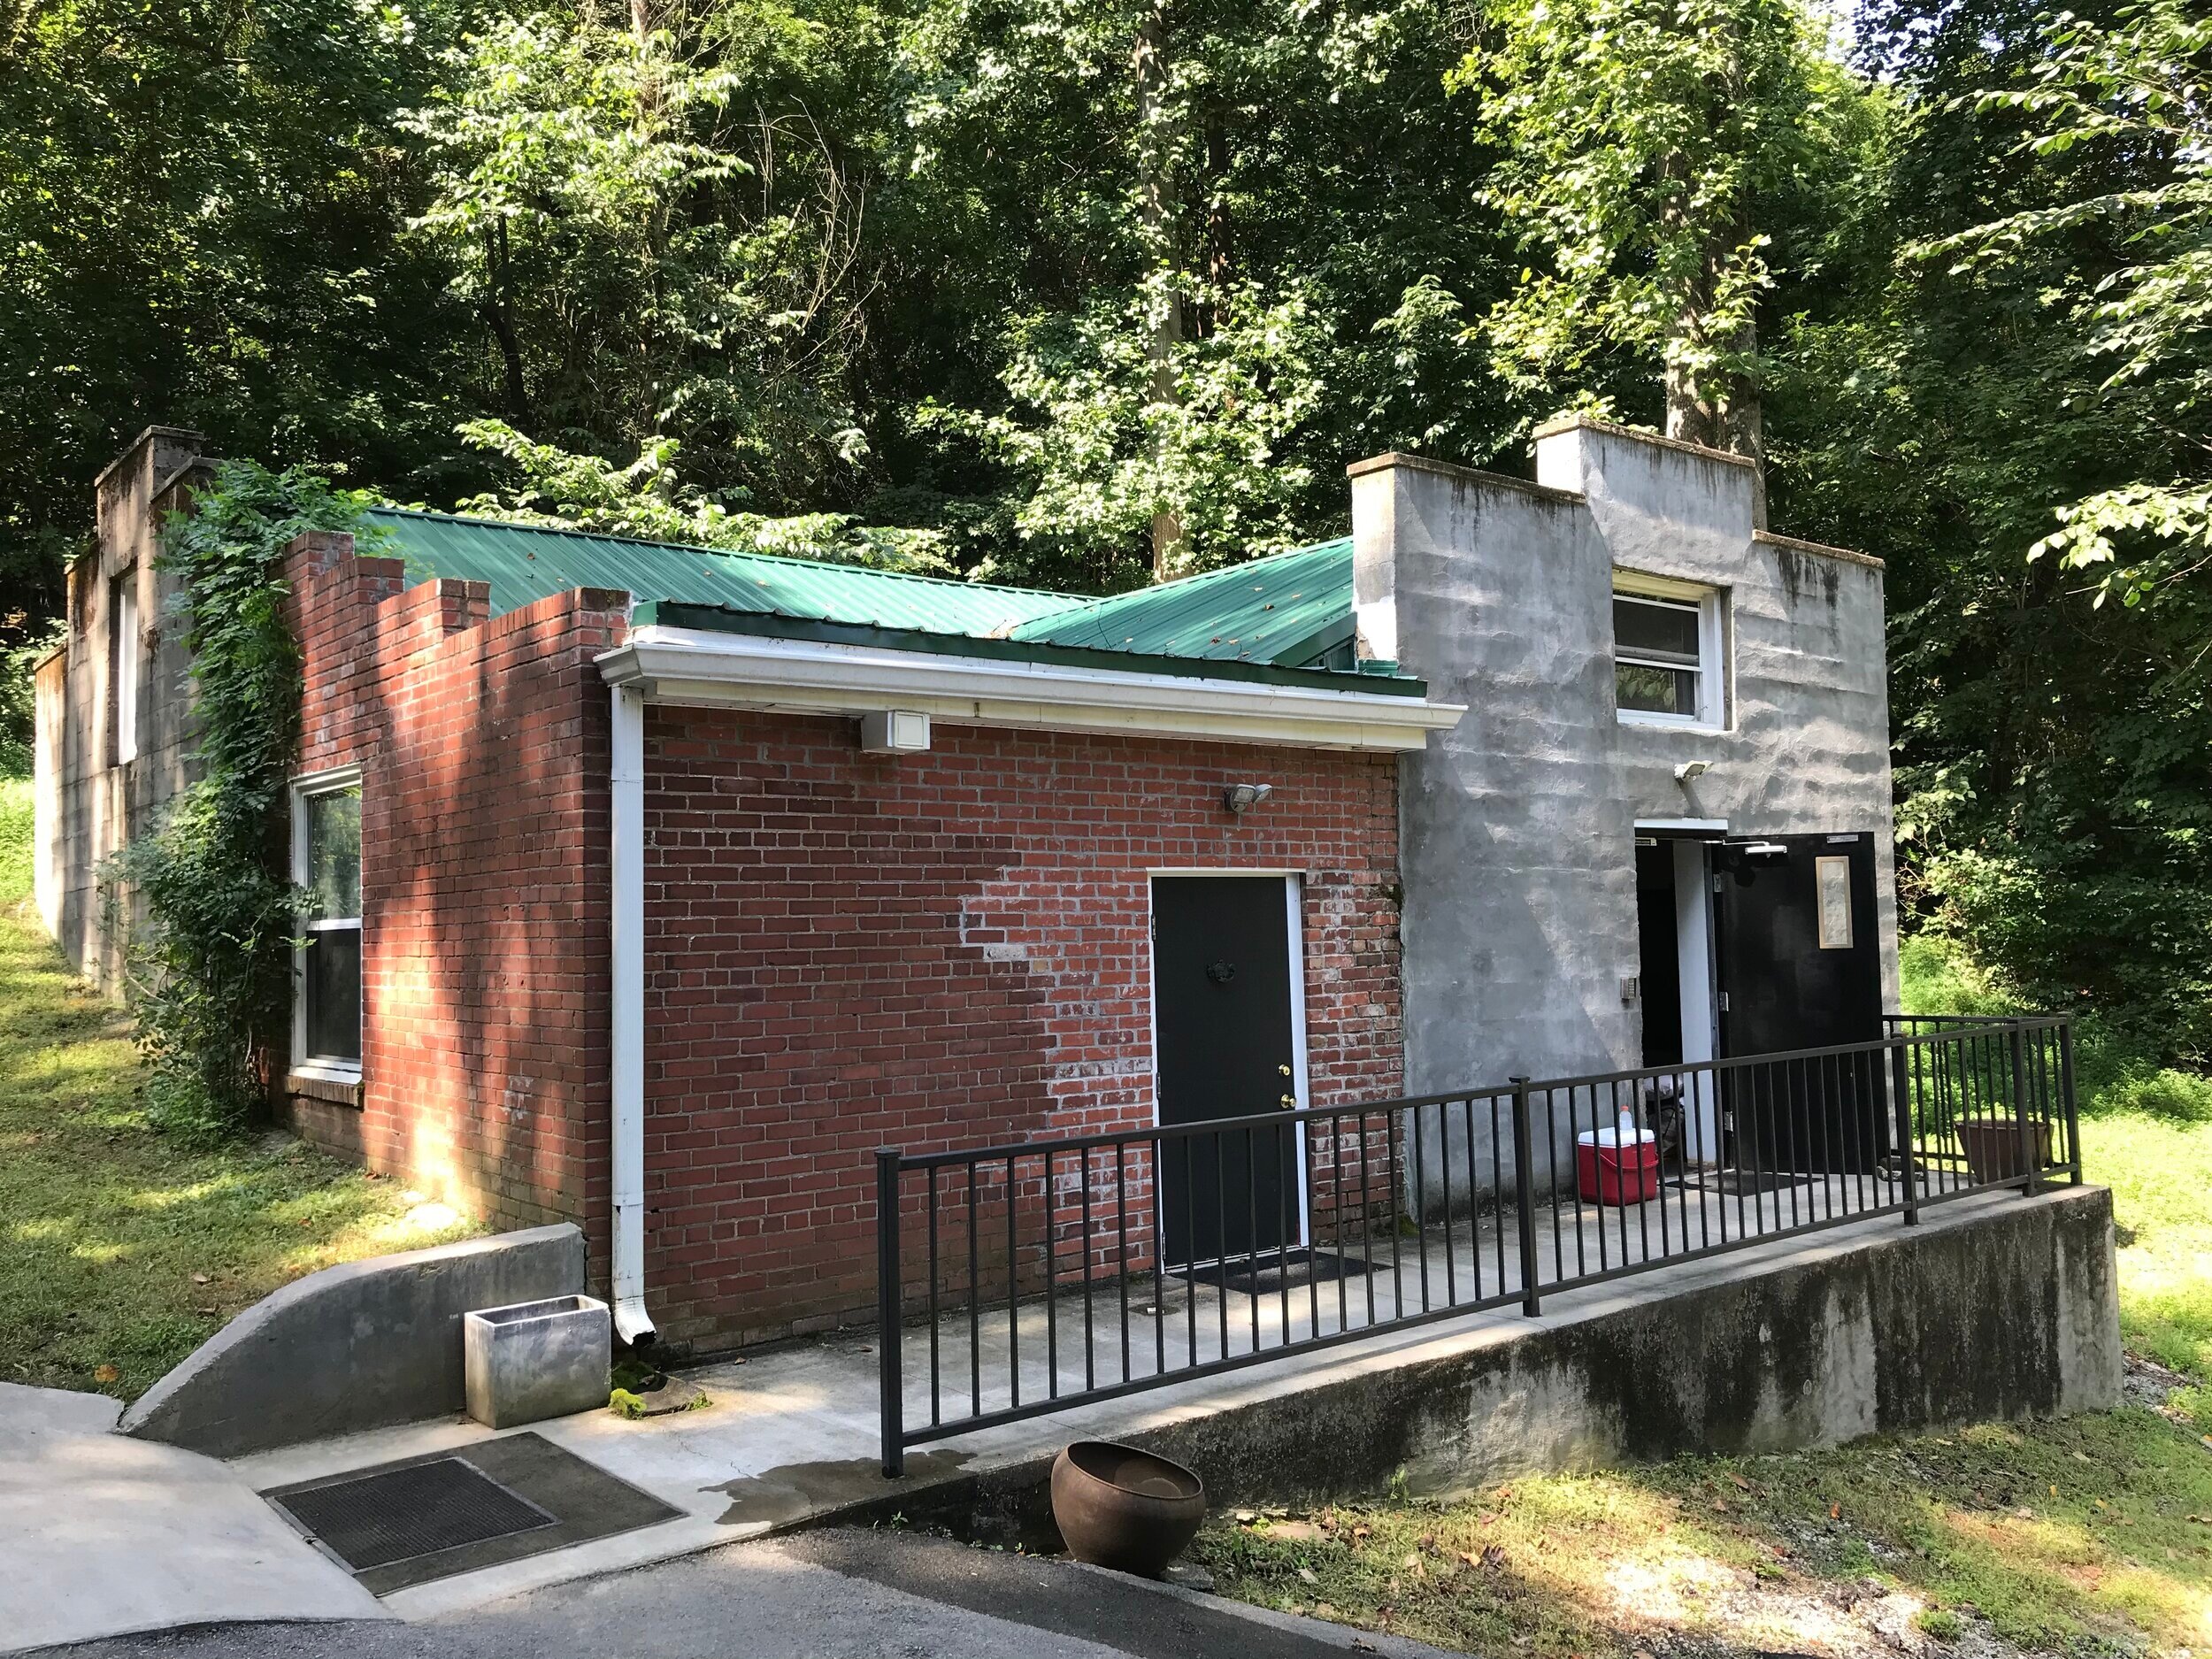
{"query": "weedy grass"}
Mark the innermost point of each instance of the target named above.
(120, 1251)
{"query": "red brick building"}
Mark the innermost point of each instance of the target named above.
(655, 888)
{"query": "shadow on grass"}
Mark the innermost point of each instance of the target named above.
(2094, 1533)
(120, 1252)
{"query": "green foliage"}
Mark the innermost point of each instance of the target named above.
(211, 971)
(1099, 455)
(1641, 144)
(647, 498)
(651, 253)
(18, 697)
(2140, 86)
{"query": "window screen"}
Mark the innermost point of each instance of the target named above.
(1656, 648)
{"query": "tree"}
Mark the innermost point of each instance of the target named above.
(1637, 142)
(2142, 87)
(1213, 251)
(649, 251)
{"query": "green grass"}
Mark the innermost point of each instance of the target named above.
(2160, 1172)
(120, 1252)
(2093, 1534)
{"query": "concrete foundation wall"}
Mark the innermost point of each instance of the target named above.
(2011, 1312)
(1995, 1308)
(1519, 826)
(353, 1347)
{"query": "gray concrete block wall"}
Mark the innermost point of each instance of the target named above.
(1518, 826)
(89, 807)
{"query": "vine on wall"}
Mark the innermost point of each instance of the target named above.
(210, 964)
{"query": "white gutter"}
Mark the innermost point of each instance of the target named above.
(625, 780)
(703, 667)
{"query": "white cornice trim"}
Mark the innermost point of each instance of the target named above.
(705, 668)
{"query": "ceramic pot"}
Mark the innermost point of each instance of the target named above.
(1993, 1148)
(1121, 1507)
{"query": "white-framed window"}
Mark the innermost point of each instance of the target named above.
(326, 968)
(123, 658)
(1667, 650)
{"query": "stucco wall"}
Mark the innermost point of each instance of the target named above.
(89, 806)
(1518, 824)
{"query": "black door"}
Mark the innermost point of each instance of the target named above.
(1221, 1017)
(1801, 967)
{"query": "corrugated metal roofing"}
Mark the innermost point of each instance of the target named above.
(1288, 609)
(1292, 609)
(524, 562)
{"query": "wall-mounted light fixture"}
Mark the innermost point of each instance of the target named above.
(1243, 797)
(1691, 770)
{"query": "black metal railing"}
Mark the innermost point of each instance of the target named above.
(1048, 1273)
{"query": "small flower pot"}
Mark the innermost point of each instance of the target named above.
(1993, 1148)
(533, 1360)
(1121, 1507)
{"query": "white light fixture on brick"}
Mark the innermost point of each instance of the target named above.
(894, 731)
(1243, 797)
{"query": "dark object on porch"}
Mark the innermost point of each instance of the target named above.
(1121, 1507)
(1750, 1180)
(1993, 1147)
(1295, 1268)
(420, 1518)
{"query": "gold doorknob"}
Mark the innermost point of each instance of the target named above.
(1290, 1100)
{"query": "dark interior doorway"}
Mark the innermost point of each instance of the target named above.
(1226, 1046)
(1659, 952)
(1801, 967)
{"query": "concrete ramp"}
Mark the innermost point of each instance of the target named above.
(101, 1534)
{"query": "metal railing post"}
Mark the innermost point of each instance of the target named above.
(2066, 1098)
(890, 1366)
(2031, 1166)
(1906, 1171)
(1525, 1197)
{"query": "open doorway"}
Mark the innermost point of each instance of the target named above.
(1677, 986)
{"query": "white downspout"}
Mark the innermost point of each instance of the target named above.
(625, 777)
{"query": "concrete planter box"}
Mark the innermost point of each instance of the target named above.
(535, 1360)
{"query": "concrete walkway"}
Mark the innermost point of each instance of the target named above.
(100, 1533)
(827, 1595)
(791, 1437)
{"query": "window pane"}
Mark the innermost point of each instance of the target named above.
(1650, 627)
(333, 854)
(1655, 690)
(334, 994)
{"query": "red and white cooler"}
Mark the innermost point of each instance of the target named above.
(1617, 1166)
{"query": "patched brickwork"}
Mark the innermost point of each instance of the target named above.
(843, 950)
(846, 951)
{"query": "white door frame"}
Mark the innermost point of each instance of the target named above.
(1293, 896)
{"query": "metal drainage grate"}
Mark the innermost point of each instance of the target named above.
(378, 1519)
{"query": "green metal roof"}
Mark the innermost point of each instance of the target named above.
(1291, 609)
(1286, 618)
(524, 562)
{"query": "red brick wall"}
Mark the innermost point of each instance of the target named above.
(483, 749)
(846, 951)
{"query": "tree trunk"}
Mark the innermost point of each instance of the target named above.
(1155, 164)
(499, 315)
